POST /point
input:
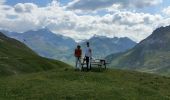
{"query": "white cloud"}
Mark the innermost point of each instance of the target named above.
(28, 16)
(166, 11)
(144, 3)
(98, 4)
(121, 24)
(26, 7)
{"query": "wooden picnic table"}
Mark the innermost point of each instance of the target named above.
(96, 62)
(101, 62)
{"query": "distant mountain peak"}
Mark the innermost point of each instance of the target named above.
(161, 31)
(105, 37)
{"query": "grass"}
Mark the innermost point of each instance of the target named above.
(17, 58)
(67, 84)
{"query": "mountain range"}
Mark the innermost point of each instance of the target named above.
(150, 55)
(103, 46)
(55, 46)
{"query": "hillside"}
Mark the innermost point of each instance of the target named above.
(53, 80)
(151, 55)
(71, 85)
(47, 44)
(16, 58)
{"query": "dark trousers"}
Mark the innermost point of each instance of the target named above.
(88, 62)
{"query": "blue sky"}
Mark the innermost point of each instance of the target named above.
(38, 2)
(153, 9)
(81, 19)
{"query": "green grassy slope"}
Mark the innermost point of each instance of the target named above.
(71, 85)
(16, 58)
(150, 55)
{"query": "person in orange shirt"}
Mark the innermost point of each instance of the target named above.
(78, 54)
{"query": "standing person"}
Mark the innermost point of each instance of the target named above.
(77, 54)
(88, 55)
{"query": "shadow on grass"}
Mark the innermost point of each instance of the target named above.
(98, 70)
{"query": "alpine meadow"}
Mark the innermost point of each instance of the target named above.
(84, 49)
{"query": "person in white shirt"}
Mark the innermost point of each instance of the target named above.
(88, 55)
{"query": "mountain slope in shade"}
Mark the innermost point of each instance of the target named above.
(103, 46)
(47, 44)
(151, 55)
(16, 58)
